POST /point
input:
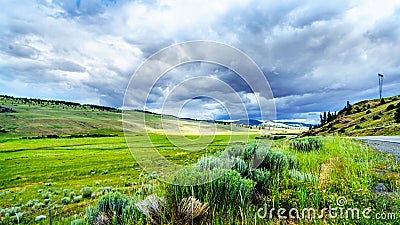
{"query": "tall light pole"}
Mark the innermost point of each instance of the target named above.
(380, 79)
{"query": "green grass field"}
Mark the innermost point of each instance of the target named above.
(74, 160)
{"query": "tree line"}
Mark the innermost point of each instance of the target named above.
(29, 101)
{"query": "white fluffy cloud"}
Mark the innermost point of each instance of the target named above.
(316, 55)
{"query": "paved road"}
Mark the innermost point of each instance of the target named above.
(389, 144)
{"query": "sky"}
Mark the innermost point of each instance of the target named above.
(315, 55)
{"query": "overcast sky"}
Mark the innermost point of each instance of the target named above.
(316, 55)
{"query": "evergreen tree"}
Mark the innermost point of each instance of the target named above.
(329, 119)
(397, 115)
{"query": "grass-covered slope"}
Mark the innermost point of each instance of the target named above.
(21, 117)
(365, 118)
(32, 117)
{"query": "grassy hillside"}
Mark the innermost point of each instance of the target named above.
(21, 117)
(365, 118)
(29, 117)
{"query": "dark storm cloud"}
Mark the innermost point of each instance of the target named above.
(23, 51)
(315, 54)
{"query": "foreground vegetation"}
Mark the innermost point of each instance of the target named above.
(302, 173)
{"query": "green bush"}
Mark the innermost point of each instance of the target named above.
(297, 175)
(65, 200)
(390, 107)
(78, 222)
(31, 202)
(225, 194)
(113, 208)
(275, 161)
(249, 151)
(262, 178)
(213, 162)
(260, 153)
(376, 117)
(307, 144)
(86, 192)
(46, 195)
(242, 167)
(293, 161)
(397, 115)
(234, 151)
(78, 198)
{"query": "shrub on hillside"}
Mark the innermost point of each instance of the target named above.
(113, 208)
(65, 200)
(293, 161)
(78, 198)
(307, 144)
(376, 117)
(249, 151)
(297, 175)
(31, 202)
(242, 167)
(86, 192)
(262, 177)
(227, 192)
(275, 161)
(390, 107)
(397, 115)
(234, 151)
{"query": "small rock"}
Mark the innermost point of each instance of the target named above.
(380, 188)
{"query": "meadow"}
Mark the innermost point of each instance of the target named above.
(55, 173)
(84, 172)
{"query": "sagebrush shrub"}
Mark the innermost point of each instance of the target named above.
(242, 167)
(78, 198)
(275, 161)
(234, 151)
(109, 209)
(229, 191)
(293, 161)
(65, 200)
(297, 175)
(307, 144)
(262, 178)
(249, 151)
(86, 192)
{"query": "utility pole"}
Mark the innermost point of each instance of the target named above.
(50, 216)
(380, 79)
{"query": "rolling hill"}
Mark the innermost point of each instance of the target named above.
(365, 118)
(22, 117)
